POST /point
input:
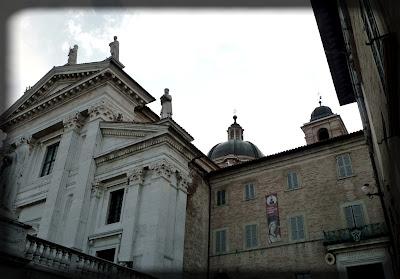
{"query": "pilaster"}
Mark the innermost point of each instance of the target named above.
(81, 204)
(64, 158)
(136, 179)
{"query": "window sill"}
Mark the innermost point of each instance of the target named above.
(294, 189)
(345, 177)
(249, 200)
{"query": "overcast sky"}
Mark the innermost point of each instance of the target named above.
(267, 64)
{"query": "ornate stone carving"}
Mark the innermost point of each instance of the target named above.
(162, 168)
(73, 121)
(136, 176)
(97, 189)
(101, 110)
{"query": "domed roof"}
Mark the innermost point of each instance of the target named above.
(320, 112)
(234, 147)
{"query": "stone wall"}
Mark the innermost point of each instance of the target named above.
(196, 229)
(382, 106)
(320, 199)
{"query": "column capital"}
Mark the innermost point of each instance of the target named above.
(97, 189)
(183, 182)
(73, 121)
(101, 110)
(163, 168)
(136, 176)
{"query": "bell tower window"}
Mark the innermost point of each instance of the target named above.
(323, 134)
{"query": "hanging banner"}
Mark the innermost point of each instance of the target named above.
(274, 230)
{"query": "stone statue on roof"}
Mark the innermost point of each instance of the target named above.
(114, 48)
(73, 55)
(166, 104)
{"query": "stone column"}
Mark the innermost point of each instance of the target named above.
(80, 206)
(64, 158)
(130, 214)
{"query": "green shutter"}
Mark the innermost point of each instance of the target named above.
(358, 215)
(348, 212)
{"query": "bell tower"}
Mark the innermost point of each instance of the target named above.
(323, 125)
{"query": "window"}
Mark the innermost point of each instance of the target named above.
(49, 159)
(303, 275)
(323, 134)
(374, 38)
(251, 236)
(115, 206)
(354, 216)
(107, 254)
(292, 181)
(221, 197)
(249, 191)
(297, 227)
(220, 241)
(344, 165)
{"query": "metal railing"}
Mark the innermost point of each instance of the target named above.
(355, 234)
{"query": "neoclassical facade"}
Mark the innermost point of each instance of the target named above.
(88, 166)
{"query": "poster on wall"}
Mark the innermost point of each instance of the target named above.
(274, 230)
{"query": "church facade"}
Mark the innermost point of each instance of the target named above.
(87, 165)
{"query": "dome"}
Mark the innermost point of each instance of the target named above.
(235, 147)
(320, 112)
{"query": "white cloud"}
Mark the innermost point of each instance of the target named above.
(268, 64)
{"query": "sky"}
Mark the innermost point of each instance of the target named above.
(267, 65)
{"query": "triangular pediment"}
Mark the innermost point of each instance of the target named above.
(118, 135)
(63, 83)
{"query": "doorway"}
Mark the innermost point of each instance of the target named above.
(366, 271)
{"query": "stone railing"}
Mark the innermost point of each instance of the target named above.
(355, 234)
(61, 259)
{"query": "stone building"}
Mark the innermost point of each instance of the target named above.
(90, 170)
(89, 166)
(361, 41)
(300, 213)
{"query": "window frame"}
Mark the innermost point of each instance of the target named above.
(291, 236)
(52, 161)
(346, 175)
(353, 203)
(225, 197)
(257, 236)
(109, 197)
(246, 198)
(216, 252)
(288, 187)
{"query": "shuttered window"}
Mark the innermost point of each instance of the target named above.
(344, 165)
(220, 241)
(221, 197)
(292, 181)
(251, 236)
(297, 227)
(354, 216)
(249, 191)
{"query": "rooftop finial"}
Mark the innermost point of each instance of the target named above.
(114, 48)
(234, 118)
(320, 101)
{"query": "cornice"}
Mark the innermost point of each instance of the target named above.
(142, 145)
(34, 107)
